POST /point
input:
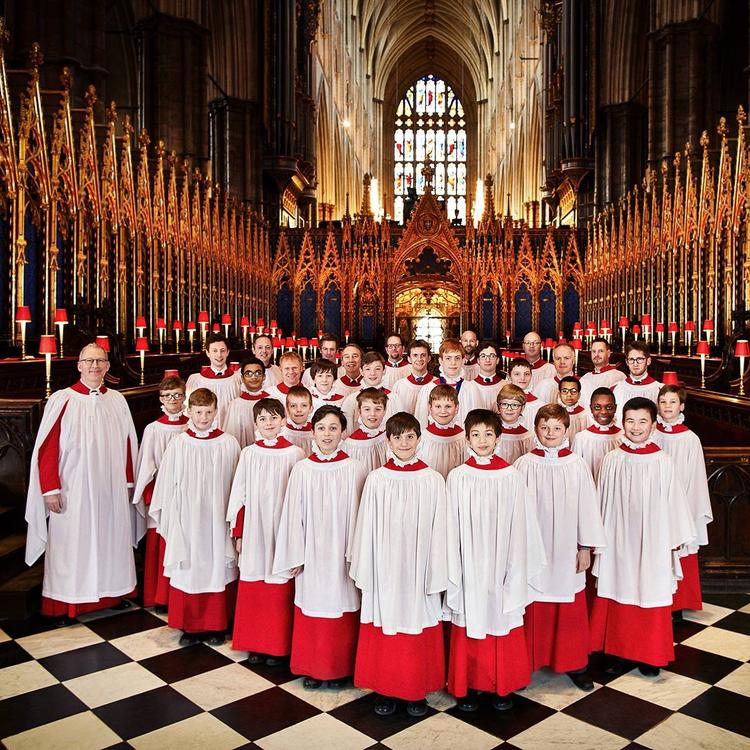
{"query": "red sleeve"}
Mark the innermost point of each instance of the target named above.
(239, 524)
(49, 458)
(129, 475)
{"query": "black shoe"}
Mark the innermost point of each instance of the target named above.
(275, 661)
(385, 707)
(468, 703)
(160, 609)
(582, 680)
(311, 683)
(215, 639)
(616, 666)
(123, 605)
(64, 621)
(648, 670)
(677, 616)
(255, 659)
(416, 709)
(338, 684)
(189, 639)
(502, 702)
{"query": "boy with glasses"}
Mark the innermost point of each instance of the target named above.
(238, 420)
(487, 379)
(570, 394)
(532, 350)
(638, 383)
(593, 443)
(514, 439)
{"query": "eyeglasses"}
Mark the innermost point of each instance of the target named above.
(393, 346)
(532, 343)
(635, 360)
(492, 355)
(252, 374)
(509, 407)
(172, 396)
(569, 391)
(92, 362)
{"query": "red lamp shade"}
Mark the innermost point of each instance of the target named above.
(560, 335)
(703, 348)
(191, 325)
(141, 344)
(674, 328)
(690, 325)
(576, 344)
(244, 322)
(347, 333)
(708, 325)
(171, 373)
(103, 342)
(562, 340)
(260, 322)
(47, 344)
(203, 316)
(140, 322)
(669, 377)
(624, 322)
(276, 341)
(252, 329)
(226, 319)
(302, 342)
(176, 325)
(23, 314)
(274, 324)
(507, 334)
(605, 325)
(660, 327)
(636, 329)
(577, 326)
(646, 320)
(314, 342)
(742, 348)
(548, 344)
(161, 324)
(61, 315)
(216, 328)
(289, 341)
(591, 325)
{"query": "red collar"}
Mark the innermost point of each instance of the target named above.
(284, 388)
(293, 427)
(530, 397)
(416, 466)
(340, 456)
(519, 430)
(360, 434)
(253, 396)
(281, 442)
(645, 381)
(330, 396)
(578, 409)
(402, 363)
(496, 462)
(444, 431)
(213, 434)
(604, 369)
(481, 380)
(611, 430)
(561, 454)
(676, 428)
(646, 450)
(207, 372)
(426, 378)
(538, 364)
(350, 382)
(181, 419)
(80, 387)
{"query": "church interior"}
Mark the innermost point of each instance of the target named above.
(171, 169)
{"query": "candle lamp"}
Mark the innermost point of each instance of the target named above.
(47, 347)
(226, 321)
(191, 333)
(161, 329)
(302, 344)
(549, 345)
(703, 350)
(260, 325)
(507, 338)
(140, 325)
(577, 330)
(673, 329)
(203, 325)
(252, 332)
(660, 334)
(742, 350)
(277, 343)
(103, 342)
(606, 330)
(141, 346)
(577, 345)
(314, 346)
(590, 332)
(244, 325)
(176, 329)
(346, 336)
(689, 331)
(274, 327)
(646, 325)
(636, 331)
(708, 329)
(23, 317)
(623, 325)
(61, 320)
(669, 377)
(288, 343)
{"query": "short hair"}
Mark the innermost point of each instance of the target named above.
(570, 379)
(638, 346)
(299, 390)
(324, 365)
(418, 344)
(603, 391)
(352, 345)
(202, 397)
(511, 391)
(270, 405)
(96, 346)
(400, 423)
(326, 410)
(552, 411)
(450, 345)
(670, 388)
(600, 340)
(639, 402)
(253, 361)
(372, 357)
(519, 362)
(216, 338)
(328, 337)
(488, 345)
(397, 335)
(286, 356)
(376, 395)
(172, 382)
(263, 336)
(443, 391)
(483, 416)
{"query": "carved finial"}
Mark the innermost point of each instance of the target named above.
(172, 159)
(36, 58)
(160, 149)
(90, 96)
(4, 33)
(677, 159)
(704, 139)
(66, 78)
(143, 138)
(688, 149)
(664, 169)
(427, 172)
(111, 112)
(741, 116)
(721, 128)
(127, 127)
(186, 165)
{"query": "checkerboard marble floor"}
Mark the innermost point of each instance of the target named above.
(120, 679)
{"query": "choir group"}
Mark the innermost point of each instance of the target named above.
(373, 521)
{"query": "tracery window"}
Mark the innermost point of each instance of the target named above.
(430, 125)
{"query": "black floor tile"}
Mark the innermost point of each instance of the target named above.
(265, 713)
(737, 622)
(504, 724)
(38, 707)
(618, 713)
(684, 629)
(34, 625)
(701, 665)
(277, 675)
(11, 653)
(84, 660)
(598, 663)
(120, 746)
(125, 623)
(185, 662)
(146, 712)
(731, 600)
(722, 708)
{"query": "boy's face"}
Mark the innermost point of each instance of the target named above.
(563, 360)
(551, 432)
(452, 362)
(419, 358)
(443, 410)
(263, 349)
(603, 409)
(521, 376)
(404, 446)
(217, 354)
(372, 374)
(670, 407)
(173, 399)
(394, 347)
(298, 408)
(487, 362)
(637, 425)
(323, 381)
(510, 410)
(291, 372)
(482, 439)
(351, 360)
(599, 355)
(637, 363)
(371, 413)
(269, 425)
(327, 434)
(202, 416)
(569, 394)
(252, 377)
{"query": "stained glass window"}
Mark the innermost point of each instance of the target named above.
(430, 126)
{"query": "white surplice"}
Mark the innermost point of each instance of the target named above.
(350, 407)
(442, 449)
(408, 389)
(367, 447)
(468, 399)
(593, 443)
(580, 419)
(301, 437)
(541, 370)
(226, 388)
(393, 374)
(533, 405)
(624, 390)
(487, 390)
(548, 390)
(605, 378)
(238, 419)
(515, 441)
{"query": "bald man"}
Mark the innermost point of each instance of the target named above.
(78, 506)
(469, 343)
(532, 350)
(563, 361)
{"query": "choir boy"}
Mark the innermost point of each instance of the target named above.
(328, 346)
(638, 383)
(560, 488)
(519, 373)
(373, 370)
(396, 363)
(443, 445)
(263, 350)
(487, 379)
(570, 395)
(312, 546)
(515, 440)
(604, 375)
(156, 438)
(350, 372)
(495, 554)
(684, 447)
(265, 602)
(469, 343)
(239, 420)
(399, 562)
(290, 365)
(367, 443)
(601, 437)
(563, 359)
(189, 507)
(407, 389)
(218, 376)
(298, 429)
(532, 351)
(646, 520)
(323, 373)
